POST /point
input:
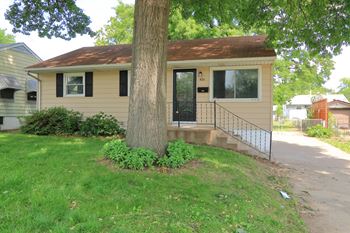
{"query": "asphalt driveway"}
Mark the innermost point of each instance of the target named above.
(320, 176)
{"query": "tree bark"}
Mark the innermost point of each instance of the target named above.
(147, 126)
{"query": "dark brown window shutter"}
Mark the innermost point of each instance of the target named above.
(123, 83)
(59, 85)
(88, 84)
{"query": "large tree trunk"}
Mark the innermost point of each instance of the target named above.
(147, 103)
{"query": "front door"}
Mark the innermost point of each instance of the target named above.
(184, 99)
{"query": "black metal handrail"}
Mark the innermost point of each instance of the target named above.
(247, 132)
(218, 116)
(240, 117)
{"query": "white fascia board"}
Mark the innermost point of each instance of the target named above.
(209, 62)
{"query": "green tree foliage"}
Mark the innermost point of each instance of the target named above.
(299, 72)
(119, 29)
(320, 26)
(296, 72)
(344, 87)
(63, 19)
(6, 38)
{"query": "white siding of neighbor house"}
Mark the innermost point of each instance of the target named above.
(296, 112)
(13, 63)
(106, 95)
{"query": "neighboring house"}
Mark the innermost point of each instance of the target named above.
(297, 107)
(18, 90)
(274, 112)
(337, 105)
(236, 72)
(341, 113)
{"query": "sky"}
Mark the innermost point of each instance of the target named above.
(100, 11)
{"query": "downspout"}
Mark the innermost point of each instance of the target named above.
(38, 103)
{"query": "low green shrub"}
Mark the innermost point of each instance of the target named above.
(319, 131)
(139, 158)
(116, 150)
(178, 153)
(101, 124)
(52, 121)
(61, 121)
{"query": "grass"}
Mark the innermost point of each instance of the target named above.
(339, 142)
(286, 125)
(56, 184)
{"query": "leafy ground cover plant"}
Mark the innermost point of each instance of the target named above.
(178, 153)
(123, 156)
(139, 158)
(319, 131)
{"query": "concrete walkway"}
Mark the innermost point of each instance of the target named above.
(320, 175)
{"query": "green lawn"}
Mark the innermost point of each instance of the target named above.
(56, 184)
(286, 125)
(339, 142)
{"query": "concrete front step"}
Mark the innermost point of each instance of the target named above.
(191, 135)
(206, 136)
(210, 136)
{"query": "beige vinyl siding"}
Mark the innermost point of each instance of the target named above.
(106, 96)
(12, 63)
(258, 112)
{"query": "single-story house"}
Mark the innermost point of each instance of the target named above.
(18, 90)
(233, 72)
(299, 105)
(341, 113)
(337, 105)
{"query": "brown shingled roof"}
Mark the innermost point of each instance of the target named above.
(198, 49)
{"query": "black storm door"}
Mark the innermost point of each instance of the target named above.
(184, 106)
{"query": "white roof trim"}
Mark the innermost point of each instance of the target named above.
(259, 60)
(15, 45)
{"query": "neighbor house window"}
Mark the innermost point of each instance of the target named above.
(31, 96)
(74, 84)
(7, 93)
(235, 83)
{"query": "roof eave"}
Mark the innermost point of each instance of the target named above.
(257, 60)
(15, 45)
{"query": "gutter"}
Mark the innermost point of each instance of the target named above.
(38, 100)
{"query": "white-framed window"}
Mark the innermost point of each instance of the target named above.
(235, 83)
(74, 84)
